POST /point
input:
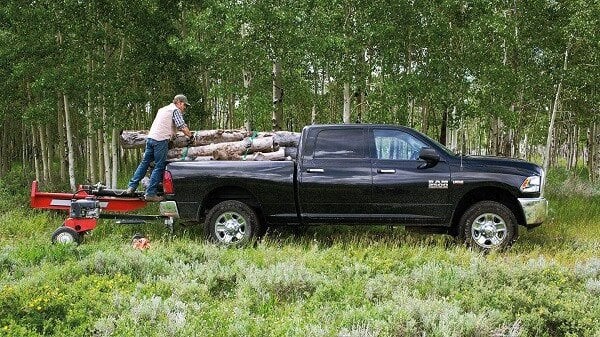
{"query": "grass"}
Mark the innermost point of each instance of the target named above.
(330, 281)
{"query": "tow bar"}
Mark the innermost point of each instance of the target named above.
(87, 205)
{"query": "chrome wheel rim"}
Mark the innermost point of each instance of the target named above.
(488, 230)
(230, 227)
(65, 238)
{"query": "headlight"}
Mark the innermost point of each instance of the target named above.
(531, 184)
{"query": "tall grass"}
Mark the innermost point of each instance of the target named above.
(329, 281)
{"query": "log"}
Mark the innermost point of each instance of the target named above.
(286, 138)
(136, 139)
(287, 153)
(225, 150)
(291, 152)
(223, 145)
(200, 158)
(207, 137)
(277, 155)
(132, 139)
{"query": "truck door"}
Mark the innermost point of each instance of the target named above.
(402, 187)
(334, 174)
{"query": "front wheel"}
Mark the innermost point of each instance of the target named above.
(231, 223)
(66, 235)
(488, 225)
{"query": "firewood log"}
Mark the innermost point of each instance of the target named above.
(227, 150)
(132, 139)
(136, 139)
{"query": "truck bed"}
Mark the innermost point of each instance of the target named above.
(268, 184)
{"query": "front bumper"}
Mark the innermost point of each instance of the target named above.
(535, 210)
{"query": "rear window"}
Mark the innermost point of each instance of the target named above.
(340, 143)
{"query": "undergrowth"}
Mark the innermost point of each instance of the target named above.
(329, 281)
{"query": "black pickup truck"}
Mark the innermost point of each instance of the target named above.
(362, 174)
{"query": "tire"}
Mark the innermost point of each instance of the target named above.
(66, 235)
(488, 225)
(231, 223)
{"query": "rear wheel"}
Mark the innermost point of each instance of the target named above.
(231, 223)
(488, 225)
(66, 235)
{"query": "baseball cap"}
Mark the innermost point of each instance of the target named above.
(181, 98)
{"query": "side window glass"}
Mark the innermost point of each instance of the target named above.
(340, 143)
(396, 145)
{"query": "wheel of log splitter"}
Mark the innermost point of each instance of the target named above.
(66, 235)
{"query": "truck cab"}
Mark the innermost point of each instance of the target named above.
(366, 173)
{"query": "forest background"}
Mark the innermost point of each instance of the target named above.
(484, 77)
(512, 78)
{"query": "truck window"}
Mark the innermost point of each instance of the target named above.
(396, 145)
(340, 143)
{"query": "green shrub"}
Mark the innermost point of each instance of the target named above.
(137, 264)
(287, 281)
(412, 316)
(332, 281)
(560, 182)
(147, 316)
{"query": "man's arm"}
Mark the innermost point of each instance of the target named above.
(186, 131)
(180, 123)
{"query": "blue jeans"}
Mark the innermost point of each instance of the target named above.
(156, 151)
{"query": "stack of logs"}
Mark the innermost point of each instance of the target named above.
(223, 145)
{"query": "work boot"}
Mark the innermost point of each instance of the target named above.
(155, 198)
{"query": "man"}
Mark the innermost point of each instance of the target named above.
(168, 120)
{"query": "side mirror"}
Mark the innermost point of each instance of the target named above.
(430, 156)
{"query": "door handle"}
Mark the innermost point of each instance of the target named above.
(315, 170)
(386, 171)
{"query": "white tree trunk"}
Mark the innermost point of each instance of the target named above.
(90, 142)
(277, 97)
(524, 147)
(43, 149)
(105, 148)
(553, 115)
(70, 151)
(592, 149)
(100, 159)
(34, 147)
(247, 77)
(347, 98)
(49, 148)
(61, 141)
(114, 146)
(63, 124)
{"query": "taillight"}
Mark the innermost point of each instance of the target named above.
(167, 183)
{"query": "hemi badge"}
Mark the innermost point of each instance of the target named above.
(458, 182)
